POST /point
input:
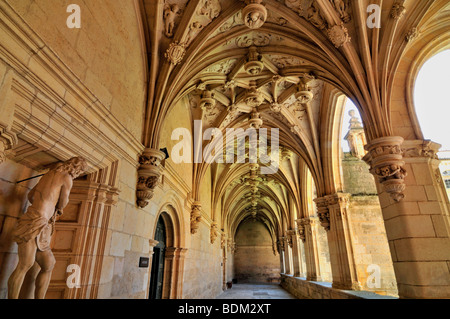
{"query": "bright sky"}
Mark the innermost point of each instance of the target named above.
(431, 99)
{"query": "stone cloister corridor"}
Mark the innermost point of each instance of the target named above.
(193, 149)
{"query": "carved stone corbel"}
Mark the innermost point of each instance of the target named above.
(214, 232)
(304, 94)
(196, 217)
(223, 241)
(385, 159)
(148, 175)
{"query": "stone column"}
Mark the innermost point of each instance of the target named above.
(308, 234)
(287, 256)
(152, 244)
(149, 173)
(296, 253)
(174, 261)
(340, 243)
(282, 259)
(417, 222)
(180, 256)
(2, 151)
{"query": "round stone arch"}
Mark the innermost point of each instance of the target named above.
(419, 57)
(175, 253)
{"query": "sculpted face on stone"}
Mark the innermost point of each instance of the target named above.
(35, 228)
(255, 14)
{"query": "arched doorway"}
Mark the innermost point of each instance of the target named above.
(159, 252)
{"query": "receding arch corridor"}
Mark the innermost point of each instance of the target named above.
(201, 143)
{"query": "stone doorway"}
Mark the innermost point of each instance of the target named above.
(157, 275)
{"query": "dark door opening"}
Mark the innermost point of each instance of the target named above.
(157, 275)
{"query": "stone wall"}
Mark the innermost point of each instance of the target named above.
(203, 272)
(105, 53)
(370, 244)
(303, 289)
(254, 259)
(128, 237)
(324, 255)
(357, 180)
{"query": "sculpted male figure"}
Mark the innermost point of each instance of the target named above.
(35, 228)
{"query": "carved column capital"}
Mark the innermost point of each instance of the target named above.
(301, 229)
(7, 141)
(291, 234)
(281, 241)
(149, 173)
(322, 212)
(340, 200)
(419, 148)
(196, 217)
(386, 163)
(289, 241)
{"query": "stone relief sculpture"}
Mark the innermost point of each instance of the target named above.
(35, 228)
(196, 217)
(170, 13)
(338, 35)
(210, 9)
(254, 14)
(194, 30)
(295, 5)
(341, 7)
(315, 17)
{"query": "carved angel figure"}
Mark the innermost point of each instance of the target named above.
(170, 13)
(194, 30)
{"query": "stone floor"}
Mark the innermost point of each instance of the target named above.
(256, 291)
